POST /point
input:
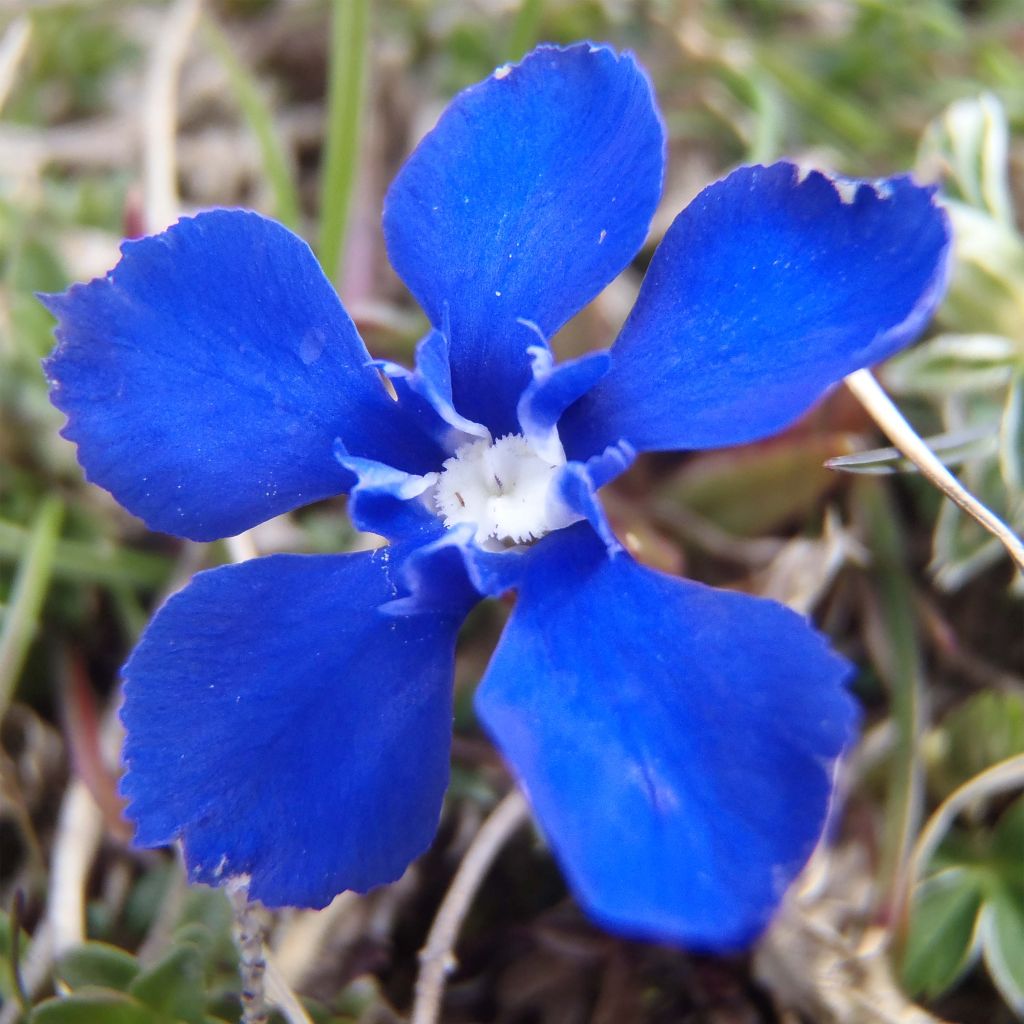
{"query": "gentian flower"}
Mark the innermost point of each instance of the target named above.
(288, 718)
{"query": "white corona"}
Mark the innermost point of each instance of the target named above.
(504, 490)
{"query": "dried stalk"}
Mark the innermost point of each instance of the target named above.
(13, 47)
(436, 957)
(869, 393)
(160, 114)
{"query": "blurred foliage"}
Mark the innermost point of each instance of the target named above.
(971, 907)
(975, 735)
(972, 374)
(863, 86)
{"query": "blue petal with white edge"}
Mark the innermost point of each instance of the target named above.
(426, 393)
(206, 378)
(453, 571)
(388, 501)
(450, 573)
(534, 190)
(579, 482)
(768, 288)
(552, 390)
(287, 730)
(677, 743)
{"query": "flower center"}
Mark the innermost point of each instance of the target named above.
(502, 489)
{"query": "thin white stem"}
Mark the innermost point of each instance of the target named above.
(242, 547)
(881, 409)
(298, 940)
(279, 992)
(436, 957)
(79, 831)
(160, 114)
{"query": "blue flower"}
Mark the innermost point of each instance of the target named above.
(288, 718)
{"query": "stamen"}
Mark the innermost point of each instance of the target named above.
(503, 490)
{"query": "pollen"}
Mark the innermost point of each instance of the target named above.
(503, 489)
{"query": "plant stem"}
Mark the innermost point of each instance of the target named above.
(881, 409)
(898, 660)
(160, 113)
(27, 594)
(349, 43)
(87, 561)
(436, 957)
(252, 966)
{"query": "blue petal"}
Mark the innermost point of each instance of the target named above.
(452, 569)
(442, 575)
(533, 192)
(206, 378)
(388, 501)
(284, 728)
(579, 482)
(677, 742)
(552, 390)
(767, 289)
(426, 393)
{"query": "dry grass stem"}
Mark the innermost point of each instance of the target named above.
(13, 47)
(160, 114)
(437, 957)
(876, 402)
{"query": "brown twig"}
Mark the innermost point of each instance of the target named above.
(436, 957)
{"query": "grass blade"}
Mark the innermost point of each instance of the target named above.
(349, 40)
(27, 594)
(257, 114)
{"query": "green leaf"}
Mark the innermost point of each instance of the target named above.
(25, 601)
(941, 941)
(953, 362)
(175, 987)
(1007, 850)
(1002, 939)
(984, 730)
(971, 140)
(97, 963)
(206, 922)
(99, 1007)
(953, 449)
(196, 934)
(1011, 439)
(754, 490)
(93, 561)
(349, 47)
(992, 251)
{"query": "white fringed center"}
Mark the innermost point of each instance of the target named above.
(502, 489)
